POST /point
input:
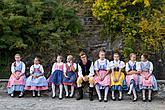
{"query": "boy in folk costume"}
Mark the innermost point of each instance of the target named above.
(17, 79)
(69, 76)
(132, 75)
(85, 74)
(36, 81)
(147, 79)
(56, 77)
(102, 76)
(117, 76)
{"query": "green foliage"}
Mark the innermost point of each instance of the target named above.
(45, 27)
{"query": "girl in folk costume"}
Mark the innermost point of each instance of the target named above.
(117, 76)
(69, 76)
(132, 71)
(36, 81)
(102, 77)
(17, 78)
(56, 77)
(147, 79)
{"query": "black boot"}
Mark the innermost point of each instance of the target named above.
(91, 93)
(80, 93)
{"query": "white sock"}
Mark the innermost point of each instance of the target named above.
(66, 90)
(149, 93)
(72, 91)
(98, 91)
(113, 94)
(106, 92)
(130, 89)
(33, 93)
(134, 93)
(38, 93)
(120, 94)
(143, 93)
(53, 89)
(61, 89)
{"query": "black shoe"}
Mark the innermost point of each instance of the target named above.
(144, 99)
(150, 100)
(60, 98)
(100, 100)
(53, 97)
(91, 93)
(80, 93)
(113, 98)
(134, 100)
(119, 99)
(105, 100)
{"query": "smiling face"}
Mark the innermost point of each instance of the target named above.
(102, 55)
(59, 59)
(36, 61)
(69, 58)
(116, 57)
(133, 57)
(17, 57)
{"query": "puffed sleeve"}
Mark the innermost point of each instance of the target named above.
(23, 68)
(41, 69)
(96, 65)
(12, 68)
(127, 67)
(121, 65)
(75, 66)
(112, 65)
(31, 69)
(151, 67)
(53, 68)
(64, 68)
(108, 65)
(138, 66)
(91, 70)
(80, 71)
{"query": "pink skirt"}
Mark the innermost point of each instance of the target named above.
(105, 82)
(37, 88)
(13, 81)
(144, 82)
(131, 77)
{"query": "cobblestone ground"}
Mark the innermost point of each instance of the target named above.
(47, 103)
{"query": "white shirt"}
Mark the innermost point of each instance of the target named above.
(115, 64)
(91, 71)
(17, 64)
(36, 66)
(151, 66)
(102, 62)
(59, 65)
(132, 63)
(74, 65)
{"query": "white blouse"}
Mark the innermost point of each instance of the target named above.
(117, 64)
(17, 64)
(132, 63)
(36, 66)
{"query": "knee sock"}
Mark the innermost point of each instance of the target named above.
(130, 89)
(72, 91)
(143, 93)
(149, 94)
(98, 92)
(53, 90)
(66, 90)
(106, 92)
(61, 89)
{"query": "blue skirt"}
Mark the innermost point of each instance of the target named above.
(19, 88)
(56, 77)
(70, 80)
(41, 81)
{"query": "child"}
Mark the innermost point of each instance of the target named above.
(147, 79)
(132, 71)
(69, 76)
(102, 77)
(56, 77)
(17, 78)
(85, 74)
(36, 81)
(117, 76)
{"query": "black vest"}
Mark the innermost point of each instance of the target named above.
(85, 68)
